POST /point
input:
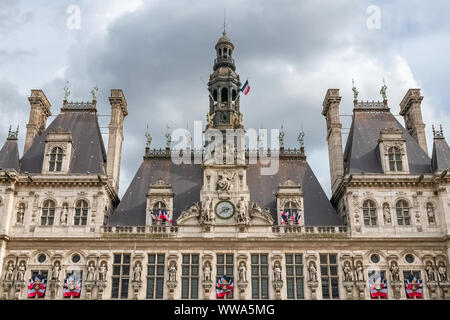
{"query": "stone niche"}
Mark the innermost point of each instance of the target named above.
(159, 193)
(290, 196)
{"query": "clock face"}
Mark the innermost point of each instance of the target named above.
(225, 209)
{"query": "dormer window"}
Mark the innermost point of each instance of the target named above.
(58, 151)
(56, 159)
(392, 148)
(159, 203)
(395, 159)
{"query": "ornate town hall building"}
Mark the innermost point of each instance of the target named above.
(64, 232)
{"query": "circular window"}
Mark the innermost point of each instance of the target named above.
(375, 258)
(41, 258)
(409, 258)
(76, 258)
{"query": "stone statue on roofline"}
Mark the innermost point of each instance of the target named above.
(355, 92)
(383, 90)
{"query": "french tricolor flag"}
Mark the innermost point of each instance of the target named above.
(245, 88)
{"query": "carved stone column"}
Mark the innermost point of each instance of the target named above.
(313, 282)
(348, 285)
(396, 287)
(172, 277)
(54, 286)
(242, 275)
(6, 284)
(277, 275)
(207, 282)
(89, 286)
(445, 286)
(432, 286)
(18, 286)
(136, 285)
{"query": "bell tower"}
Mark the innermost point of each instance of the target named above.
(224, 86)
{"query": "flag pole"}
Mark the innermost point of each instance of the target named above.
(207, 88)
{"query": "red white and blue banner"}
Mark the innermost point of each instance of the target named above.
(224, 286)
(245, 88)
(284, 217)
(37, 286)
(414, 288)
(378, 288)
(293, 216)
(72, 286)
(162, 215)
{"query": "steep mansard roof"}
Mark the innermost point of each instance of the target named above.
(361, 152)
(9, 155)
(441, 155)
(187, 180)
(88, 154)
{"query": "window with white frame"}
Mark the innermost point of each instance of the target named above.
(48, 213)
(369, 213)
(81, 213)
(403, 216)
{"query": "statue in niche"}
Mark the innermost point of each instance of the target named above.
(21, 271)
(137, 271)
(312, 271)
(102, 271)
(347, 271)
(442, 272)
(225, 181)
(359, 271)
(430, 272)
(207, 271)
(277, 271)
(56, 271)
(173, 271)
(395, 272)
(64, 215)
(386, 214)
(430, 214)
(242, 272)
(91, 272)
(9, 276)
(20, 213)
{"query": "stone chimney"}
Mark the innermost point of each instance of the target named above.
(118, 113)
(334, 136)
(40, 111)
(410, 109)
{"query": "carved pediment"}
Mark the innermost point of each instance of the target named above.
(190, 215)
(263, 215)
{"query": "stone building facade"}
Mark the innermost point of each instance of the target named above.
(65, 234)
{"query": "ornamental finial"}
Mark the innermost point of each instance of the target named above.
(94, 93)
(66, 91)
(168, 138)
(148, 137)
(355, 92)
(301, 138)
(383, 90)
(281, 137)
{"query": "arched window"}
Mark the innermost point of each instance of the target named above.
(220, 53)
(224, 94)
(48, 213)
(56, 157)
(215, 94)
(233, 94)
(159, 212)
(81, 213)
(395, 159)
(403, 216)
(370, 213)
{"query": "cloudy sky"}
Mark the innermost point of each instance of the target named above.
(157, 52)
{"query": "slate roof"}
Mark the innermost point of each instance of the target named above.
(440, 159)
(9, 155)
(187, 180)
(89, 153)
(361, 152)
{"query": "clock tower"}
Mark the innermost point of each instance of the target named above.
(225, 197)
